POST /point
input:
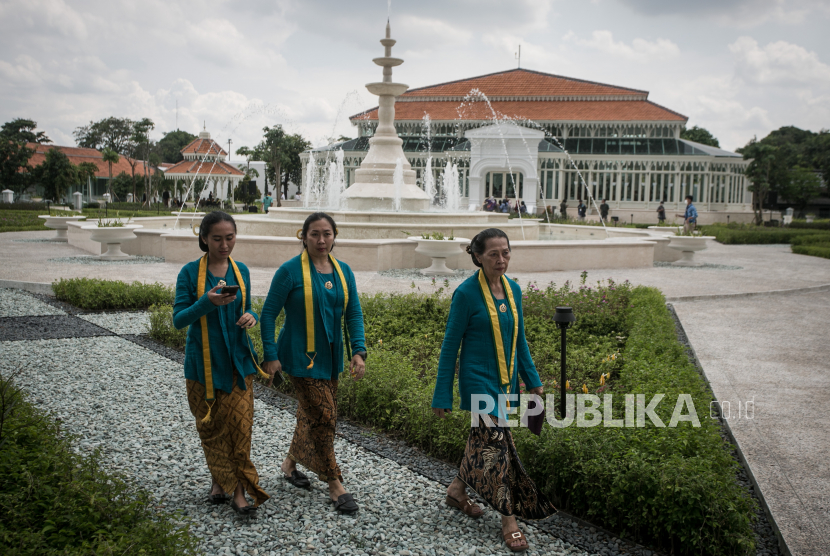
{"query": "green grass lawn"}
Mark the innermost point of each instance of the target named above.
(21, 221)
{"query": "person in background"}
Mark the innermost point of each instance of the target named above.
(690, 216)
(563, 210)
(310, 350)
(267, 201)
(486, 322)
(220, 362)
(603, 211)
(523, 208)
(661, 213)
(581, 210)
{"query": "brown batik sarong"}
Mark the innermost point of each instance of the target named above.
(491, 467)
(226, 439)
(313, 443)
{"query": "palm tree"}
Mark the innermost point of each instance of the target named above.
(86, 172)
(111, 157)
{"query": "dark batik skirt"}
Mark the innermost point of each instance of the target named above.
(313, 443)
(491, 467)
(226, 438)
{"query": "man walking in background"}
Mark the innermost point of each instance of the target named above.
(603, 211)
(690, 216)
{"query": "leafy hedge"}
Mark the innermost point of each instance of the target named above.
(674, 488)
(750, 234)
(96, 294)
(55, 502)
(817, 245)
(815, 225)
(21, 221)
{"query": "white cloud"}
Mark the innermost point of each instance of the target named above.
(778, 63)
(734, 13)
(640, 50)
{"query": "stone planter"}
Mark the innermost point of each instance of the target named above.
(112, 238)
(438, 250)
(666, 229)
(192, 219)
(60, 224)
(687, 245)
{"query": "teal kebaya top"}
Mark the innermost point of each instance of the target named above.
(469, 328)
(290, 347)
(229, 349)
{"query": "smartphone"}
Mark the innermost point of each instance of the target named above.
(229, 289)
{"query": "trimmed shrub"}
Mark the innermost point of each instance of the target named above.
(747, 235)
(815, 250)
(96, 294)
(162, 329)
(21, 221)
(56, 502)
(815, 225)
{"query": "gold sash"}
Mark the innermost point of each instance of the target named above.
(308, 293)
(200, 291)
(505, 370)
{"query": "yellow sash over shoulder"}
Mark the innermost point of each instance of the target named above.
(308, 293)
(505, 370)
(200, 291)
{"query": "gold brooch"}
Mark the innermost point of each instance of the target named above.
(503, 308)
(329, 285)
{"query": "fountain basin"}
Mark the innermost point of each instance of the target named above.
(113, 238)
(438, 250)
(688, 245)
(60, 225)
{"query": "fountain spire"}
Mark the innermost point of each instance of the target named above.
(375, 185)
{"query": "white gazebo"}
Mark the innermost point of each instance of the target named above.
(204, 159)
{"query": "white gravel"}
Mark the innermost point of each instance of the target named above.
(130, 402)
(15, 303)
(122, 322)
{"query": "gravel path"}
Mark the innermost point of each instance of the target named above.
(121, 323)
(129, 402)
(15, 303)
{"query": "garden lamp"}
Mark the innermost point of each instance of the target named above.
(564, 319)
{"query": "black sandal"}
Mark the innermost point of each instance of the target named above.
(217, 499)
(245, 511)
(345, 504)
(297, 479)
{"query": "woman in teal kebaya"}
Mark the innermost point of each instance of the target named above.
(486, 322)
(219, 364)
(317, 291)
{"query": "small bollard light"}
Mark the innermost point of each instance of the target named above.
(632, 218)
(564, 319)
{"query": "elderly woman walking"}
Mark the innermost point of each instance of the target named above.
(213, 298)
(317, 292)
(486, 322)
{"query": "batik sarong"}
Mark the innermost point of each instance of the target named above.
(313, 443)
(491, 467)
(226, 438)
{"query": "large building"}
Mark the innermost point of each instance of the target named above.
(527, 135)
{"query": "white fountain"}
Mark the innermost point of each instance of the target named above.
(374, 188)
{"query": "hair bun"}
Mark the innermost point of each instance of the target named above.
(469, 250)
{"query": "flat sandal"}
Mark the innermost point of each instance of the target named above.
(467, 507)
(515, 536)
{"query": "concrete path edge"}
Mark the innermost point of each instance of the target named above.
(808, 289)
(781, 542)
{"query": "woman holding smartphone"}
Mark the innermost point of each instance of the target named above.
(318, 292)
(213, 298)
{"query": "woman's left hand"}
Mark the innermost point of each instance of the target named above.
(357, 368)
(539, 391)
(246, 321)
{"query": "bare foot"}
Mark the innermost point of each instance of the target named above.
(216, 489)
(288, 466)
(336, 489)
(239, 496)
(457, 490)
(509, 526)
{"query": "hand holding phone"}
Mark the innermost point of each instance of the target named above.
(227, 290)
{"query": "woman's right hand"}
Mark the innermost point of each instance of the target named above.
(219, 298)
(271, 368)
(441, 413)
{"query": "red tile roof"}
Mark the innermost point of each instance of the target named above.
(206, 168)
(77, 155)
(538, 111)
(527, 94)
(523, 83)
(203, 146)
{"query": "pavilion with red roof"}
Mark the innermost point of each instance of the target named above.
(204, 170)
(528, 135)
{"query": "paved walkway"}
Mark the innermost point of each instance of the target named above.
(770, 349)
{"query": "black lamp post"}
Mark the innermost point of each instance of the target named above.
(564, 319)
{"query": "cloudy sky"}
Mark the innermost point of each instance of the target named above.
(736, 67)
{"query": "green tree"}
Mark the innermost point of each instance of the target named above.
(110, 157)
(141, 138)
(759, 173)
(293, 168)
(249, 155)
(803, 187)
(56, 174)
(699, 135)
(23, 130)
(281, 154)
(15, 171)
(169, 147)
(121, 185)
(110, 133)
